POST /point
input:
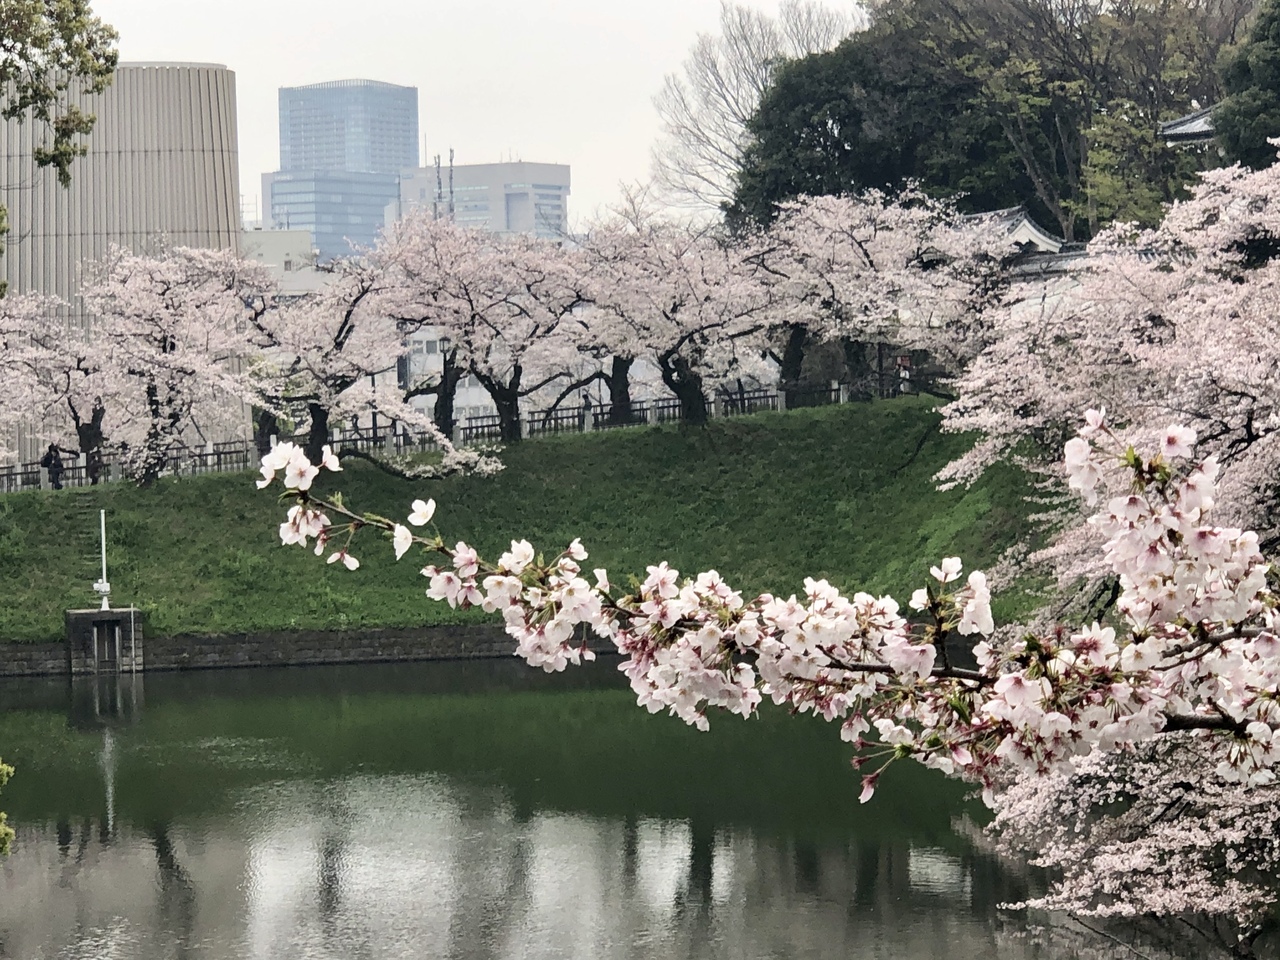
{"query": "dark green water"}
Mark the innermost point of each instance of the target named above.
(469, 810)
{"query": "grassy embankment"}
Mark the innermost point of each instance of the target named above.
(843, 493)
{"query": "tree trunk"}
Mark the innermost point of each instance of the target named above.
(619, 380)
(506, 399)
(686, 384)
(447, 395)
(856, 366)
(508, 405)
(91, 441)
(793, 355)
(265, 425)
(318, 435)
(152, 456)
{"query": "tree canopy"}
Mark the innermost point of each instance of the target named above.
(1050, 103)
(1250, 114)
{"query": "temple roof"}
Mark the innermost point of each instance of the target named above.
(1193, 128)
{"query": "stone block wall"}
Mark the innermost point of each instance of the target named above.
(286, 648)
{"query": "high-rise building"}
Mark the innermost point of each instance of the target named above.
(517, 197)
(342, 147)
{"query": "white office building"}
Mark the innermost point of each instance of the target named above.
(518, 197)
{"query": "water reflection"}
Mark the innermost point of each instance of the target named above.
(493, 819)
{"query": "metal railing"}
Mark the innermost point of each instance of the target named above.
(242, 455)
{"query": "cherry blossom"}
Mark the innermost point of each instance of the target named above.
(1196, 652)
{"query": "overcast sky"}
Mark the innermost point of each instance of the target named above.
(556, 81)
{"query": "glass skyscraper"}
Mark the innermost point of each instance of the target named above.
(342, 147)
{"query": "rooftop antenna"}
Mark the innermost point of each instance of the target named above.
(435, 211)
(102, 587)
(451, 183)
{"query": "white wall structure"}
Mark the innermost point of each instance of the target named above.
(162, 168)
(290, 255)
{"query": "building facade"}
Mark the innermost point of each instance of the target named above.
(342, 147)
(161, 169)
(517, 197)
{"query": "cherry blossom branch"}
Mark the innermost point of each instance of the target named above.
(1195, 649)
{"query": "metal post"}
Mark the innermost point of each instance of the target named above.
(782, 399)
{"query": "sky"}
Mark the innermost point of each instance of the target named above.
(553, 81)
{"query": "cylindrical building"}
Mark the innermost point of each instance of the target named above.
(161, 168)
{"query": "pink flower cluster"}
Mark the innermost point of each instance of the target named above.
(1193, 647)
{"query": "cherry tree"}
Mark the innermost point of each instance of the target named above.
(333, 356)
(879, 267)
(1172, 322)
(677, 294)
(1194, 651)
(1152, 832)
(502, 304)
(167, 328)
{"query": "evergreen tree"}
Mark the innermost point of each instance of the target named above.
(1250, 114)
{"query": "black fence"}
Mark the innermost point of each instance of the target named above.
(241, 455)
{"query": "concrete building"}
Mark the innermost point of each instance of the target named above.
(514, 197)
(161, 168)
(342, 147)
(288, 254)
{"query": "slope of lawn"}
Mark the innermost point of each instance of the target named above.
(842, 492)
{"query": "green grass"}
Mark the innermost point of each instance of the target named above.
(843, 493)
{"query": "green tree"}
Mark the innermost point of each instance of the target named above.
(51, 51)
(1005, 101)
(1250, 113)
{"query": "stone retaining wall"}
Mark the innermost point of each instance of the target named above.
(33, 659)
(285, 648)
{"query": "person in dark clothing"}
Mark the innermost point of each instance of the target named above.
(93, 465)
(584, 415)
(52, 461)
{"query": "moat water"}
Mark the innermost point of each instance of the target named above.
(472, 810)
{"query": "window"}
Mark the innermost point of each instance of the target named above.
(288, 266)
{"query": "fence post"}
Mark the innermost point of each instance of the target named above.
(44, 479)
(717, 408)
(782, 400)
(844, 393)
(457, 433)
(274, 441)
(835, 389)
(524, 428)
(651, 413)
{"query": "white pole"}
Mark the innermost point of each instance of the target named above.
(102, 526)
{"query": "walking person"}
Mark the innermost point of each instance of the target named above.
(584, 415)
